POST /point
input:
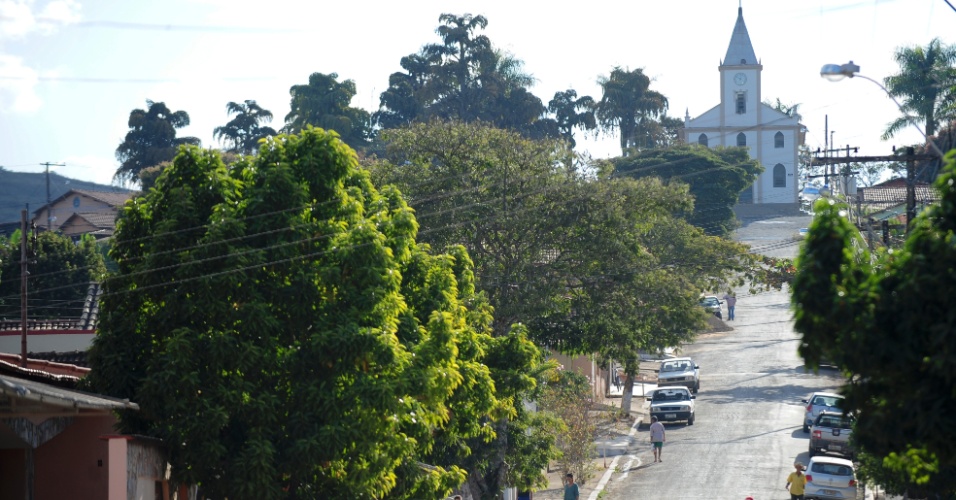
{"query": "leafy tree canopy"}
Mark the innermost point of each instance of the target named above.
(61, 272)
(287, 336)
(463, 78)
(715, 176)
(629, 107)
(151, 139)
(924, 85)
(245, 130)
(325, 102)
(887, 320)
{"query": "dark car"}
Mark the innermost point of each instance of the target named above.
(830, 433)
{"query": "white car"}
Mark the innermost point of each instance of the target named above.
(671, 404)
(820, 402)
(679, 371)
(830, 478)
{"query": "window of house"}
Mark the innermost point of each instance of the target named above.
(779, 176)
(778, 140)
(741, 103)
(741, 139)
(702, 140)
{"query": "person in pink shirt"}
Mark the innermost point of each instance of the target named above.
(731, 301)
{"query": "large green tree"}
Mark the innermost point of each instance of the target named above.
(887, 321)
(924, 85)
(286, 336)
(465, 78)
(716, 178)
(151, 139)
(245, 130)
(326, 103)
(630, 108)
(61, 272)
(572, 112)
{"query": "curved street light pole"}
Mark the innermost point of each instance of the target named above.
(837, 72)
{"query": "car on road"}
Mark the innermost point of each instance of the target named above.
(818, 402)
(679, 371)
(711, 304)
(830, 433)
(672, 404)
(830, 478)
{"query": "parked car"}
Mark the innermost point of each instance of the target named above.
(671, 404)
(680, 371)
(830, 478)
(818, 402)
(711, 304)
(830, 433)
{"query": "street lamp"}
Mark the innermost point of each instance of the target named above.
(837, 72)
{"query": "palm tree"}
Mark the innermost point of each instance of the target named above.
(151, 140)
(324, 102)
(243, 132)
(924, 85)
(628, 106)
(571, 111)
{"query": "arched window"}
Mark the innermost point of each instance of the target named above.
(702, 140)
(741, 139)
(779, 176)
(778, 140)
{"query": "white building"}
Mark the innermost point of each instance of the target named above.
(742, 119)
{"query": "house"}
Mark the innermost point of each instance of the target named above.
(887, 200)
(742, 119)
(57, 442)
(79, 212)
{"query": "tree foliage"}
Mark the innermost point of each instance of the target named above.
(887, 321)
(245, 130)
(924, 85)
(463, 78)
(571, 112)
(287, 337)
(715, 176)
(61, 272)
(568, 395)
(629, 107)
(326, 103)
(151, 139)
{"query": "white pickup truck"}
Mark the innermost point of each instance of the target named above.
(830, 433)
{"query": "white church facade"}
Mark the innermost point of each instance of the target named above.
(742, 119)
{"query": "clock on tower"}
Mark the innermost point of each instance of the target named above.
(740, 78)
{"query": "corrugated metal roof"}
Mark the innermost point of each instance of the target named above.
(38, 394)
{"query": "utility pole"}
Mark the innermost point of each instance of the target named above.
(910, 189)
(23, 288)
(49, 214)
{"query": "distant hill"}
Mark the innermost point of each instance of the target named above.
(17, 189)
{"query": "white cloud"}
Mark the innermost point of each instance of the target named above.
(17, 86)
(19, 18)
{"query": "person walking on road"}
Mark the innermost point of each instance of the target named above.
(571, 491)
(796, 482)
(731, 301)
(657, 438)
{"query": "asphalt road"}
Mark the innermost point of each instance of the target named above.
(748, 430)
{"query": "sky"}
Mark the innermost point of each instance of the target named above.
(72, 70)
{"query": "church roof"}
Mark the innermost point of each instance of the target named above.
(741, 51)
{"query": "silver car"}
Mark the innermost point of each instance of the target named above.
(830, 478)
(679, 371)
(819, 402)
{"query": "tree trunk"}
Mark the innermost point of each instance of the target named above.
(628, 392)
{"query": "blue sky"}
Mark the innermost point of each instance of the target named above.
(71, 70)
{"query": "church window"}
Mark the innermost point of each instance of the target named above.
(702, 140)
(779, 176)
(741, 103)
(741, 139)
(778, 140)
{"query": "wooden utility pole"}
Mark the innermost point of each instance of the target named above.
(23, 288)
(49, 214)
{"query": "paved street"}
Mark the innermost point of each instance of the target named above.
(747, 433)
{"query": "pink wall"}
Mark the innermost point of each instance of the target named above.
(75, 464)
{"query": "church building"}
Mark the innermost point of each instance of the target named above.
(742, 119)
